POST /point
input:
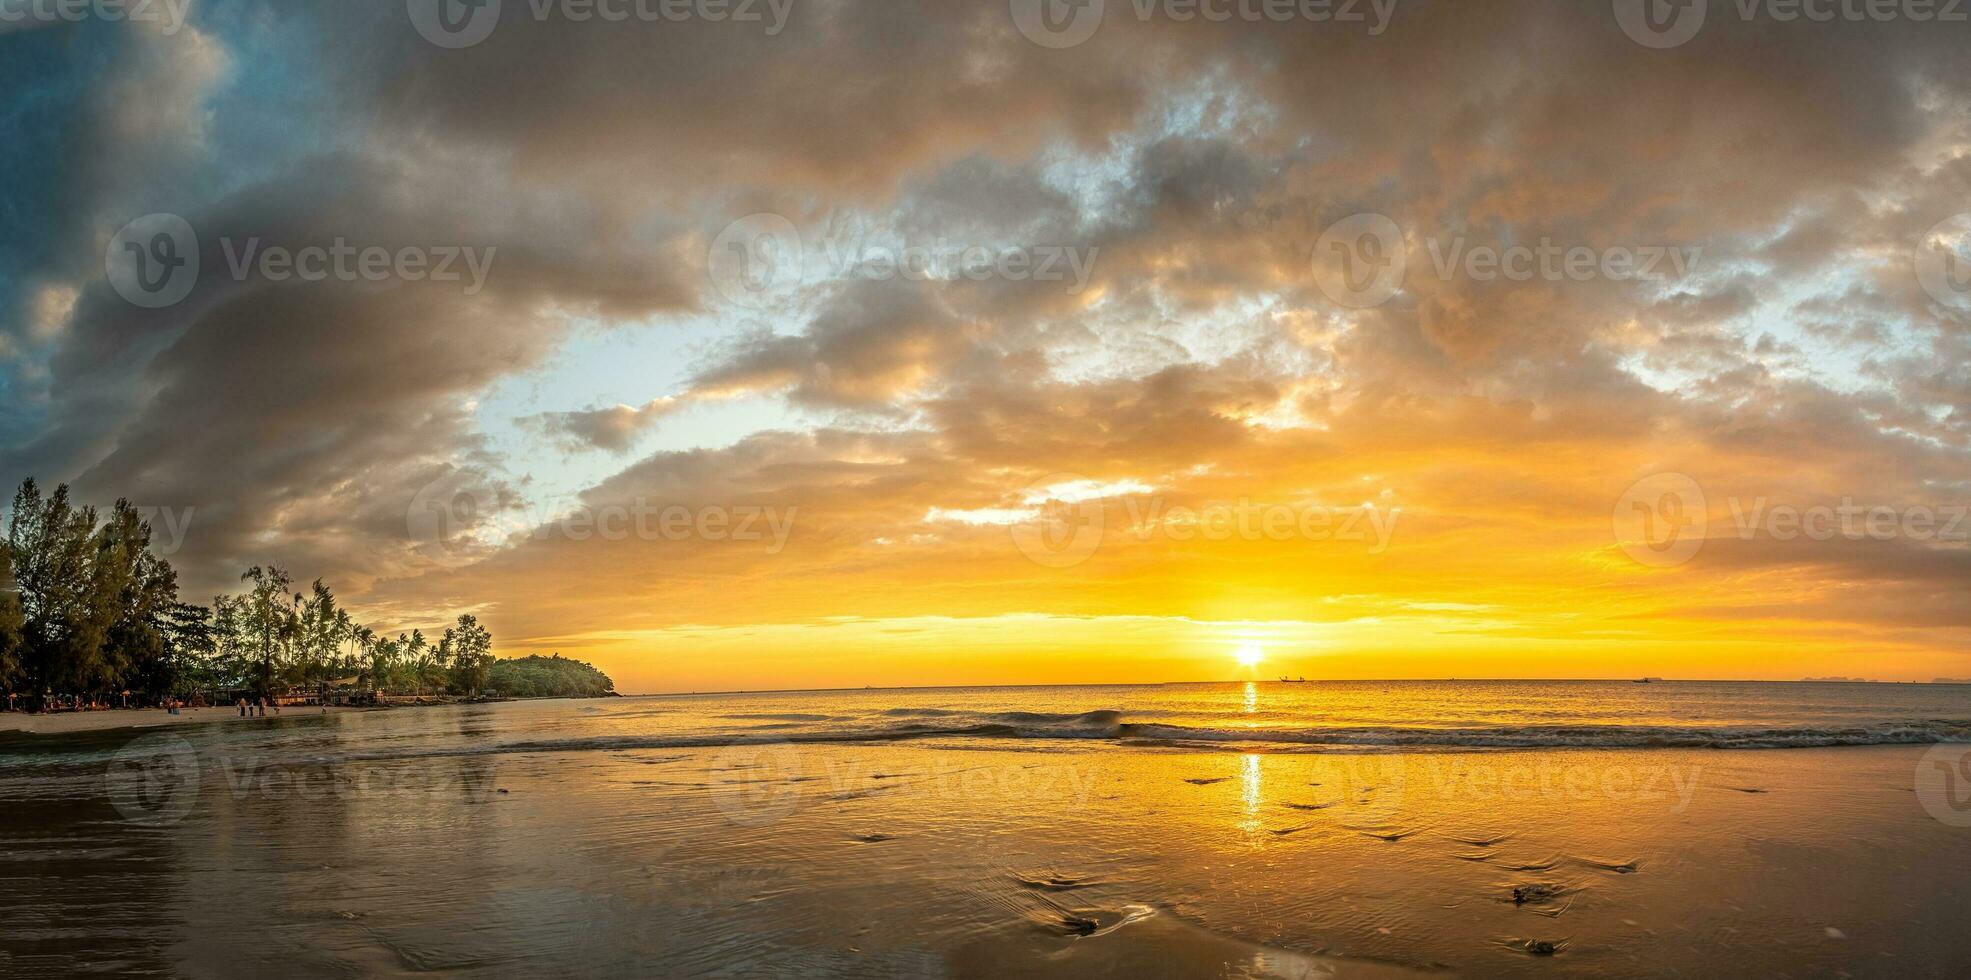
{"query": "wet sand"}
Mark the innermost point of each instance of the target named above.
(73, 722)
(407, 843)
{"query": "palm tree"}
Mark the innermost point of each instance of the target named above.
(364, 639)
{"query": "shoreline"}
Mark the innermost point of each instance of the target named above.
(115, 719)
(79, 722)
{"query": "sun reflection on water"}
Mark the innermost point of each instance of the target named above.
(1250, 785)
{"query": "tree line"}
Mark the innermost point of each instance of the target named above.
(550, 677)
(88, 611)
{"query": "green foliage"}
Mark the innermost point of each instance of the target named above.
(91, 610)
(83, 609)
(470, 656)
(10, 620)
(269, 623)
(548, 677)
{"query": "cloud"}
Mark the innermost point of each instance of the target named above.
(614, 429)
(1191, 166)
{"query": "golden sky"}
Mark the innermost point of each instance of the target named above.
(1490, 342)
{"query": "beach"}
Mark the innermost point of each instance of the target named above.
(637, 836)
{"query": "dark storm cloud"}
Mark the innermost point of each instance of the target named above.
(1196, 164)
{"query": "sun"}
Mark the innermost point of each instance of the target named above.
(1250, 655)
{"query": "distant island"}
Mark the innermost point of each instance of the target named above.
(550, 677)
(90, 617)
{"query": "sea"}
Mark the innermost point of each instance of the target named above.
(1246, 829)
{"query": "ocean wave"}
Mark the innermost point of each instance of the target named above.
(1085, 719)
(1108, 726)
(1569, 736)
(783, 716)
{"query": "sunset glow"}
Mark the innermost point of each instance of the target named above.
(977, 489)
(1110, 371)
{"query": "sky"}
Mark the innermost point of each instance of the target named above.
(831, 344)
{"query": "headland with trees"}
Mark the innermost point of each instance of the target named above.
(90, 616)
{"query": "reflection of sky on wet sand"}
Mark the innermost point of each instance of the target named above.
(971, 857)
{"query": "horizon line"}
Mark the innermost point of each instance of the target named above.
(1311, 680)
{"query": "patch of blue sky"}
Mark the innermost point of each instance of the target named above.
(604, 365)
